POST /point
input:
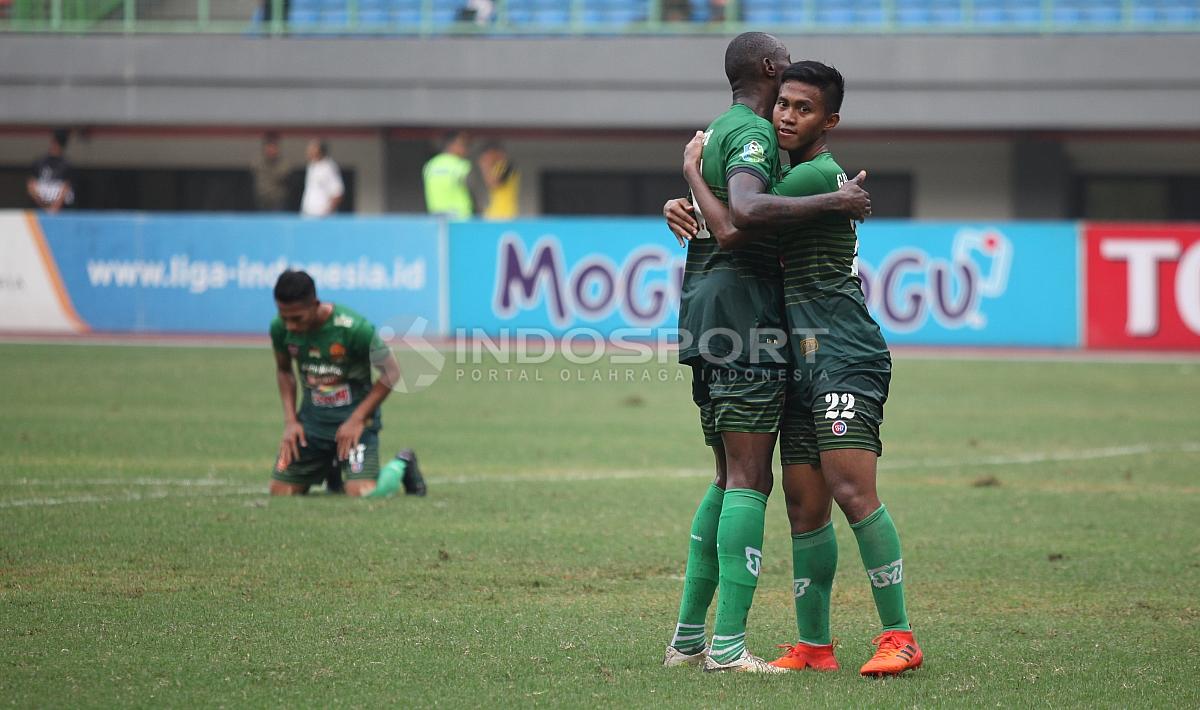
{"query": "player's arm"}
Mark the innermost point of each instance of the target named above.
(349, 433)
(293, 430)
(716, 214)
(751, 207)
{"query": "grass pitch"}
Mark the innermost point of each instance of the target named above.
(1049, 512)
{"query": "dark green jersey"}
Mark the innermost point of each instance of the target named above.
(730, 297)
(334, 365)
(821, 287)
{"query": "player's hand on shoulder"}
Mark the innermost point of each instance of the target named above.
(693, 151)
(856, 201)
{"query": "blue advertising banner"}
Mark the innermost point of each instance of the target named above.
(562, 274)
(1006, 284)
(202, 273)
(1009, 284)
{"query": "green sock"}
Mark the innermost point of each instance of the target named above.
(814, 562)
(388, 482)
(739, 550)
(879, 545)
(700, 579)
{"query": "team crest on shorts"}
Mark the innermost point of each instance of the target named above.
(839, 428)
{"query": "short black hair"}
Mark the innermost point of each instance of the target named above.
(827, 79)
(323, 148)
(61, 136)
(295, 287)
(746, 52)
(271, 137)
(451, 136)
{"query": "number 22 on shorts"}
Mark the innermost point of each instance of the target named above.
(839, 406)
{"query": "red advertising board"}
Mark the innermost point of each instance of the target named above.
(1143, 286)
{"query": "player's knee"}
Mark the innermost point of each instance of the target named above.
(855, 502)
(359, 488)
(806, 518)
(279, 488)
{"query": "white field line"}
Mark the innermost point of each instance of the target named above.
(125, 498)
(199, 487)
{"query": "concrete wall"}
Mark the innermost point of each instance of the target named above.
(896, 82)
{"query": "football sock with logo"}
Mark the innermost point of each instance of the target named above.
(814, 562)
(739, 550)
(879, 545)
(700, 578)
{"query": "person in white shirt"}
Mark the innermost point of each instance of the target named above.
(323, 188)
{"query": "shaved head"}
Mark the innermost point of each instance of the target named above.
(745, 54)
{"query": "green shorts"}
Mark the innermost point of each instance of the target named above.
(738, 398)
(320, 456)
(836, 410)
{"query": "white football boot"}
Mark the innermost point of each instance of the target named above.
(745, 663)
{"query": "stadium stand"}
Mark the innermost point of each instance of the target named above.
(406, 17)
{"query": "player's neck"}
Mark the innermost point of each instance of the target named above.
(759, 101)
(324, 311)
(808, 152)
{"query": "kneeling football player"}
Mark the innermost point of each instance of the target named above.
(338, 421)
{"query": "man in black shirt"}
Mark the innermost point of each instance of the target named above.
(49, 185)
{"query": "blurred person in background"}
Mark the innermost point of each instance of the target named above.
(445, 176)
(478, 11)
(503, 182)
(49, 184)
(323, 188)
(271, 174)
(676, 10)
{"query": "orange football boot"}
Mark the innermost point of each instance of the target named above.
(897, 652)
(803, 655)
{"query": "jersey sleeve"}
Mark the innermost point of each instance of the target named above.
(747, 151)
(277, 335)
(362, 338)
(801, 181)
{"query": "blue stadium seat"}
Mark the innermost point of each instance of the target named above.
(335, 18)
(551, 16)
(910, 16)
(793, 14)
(374, 17)
(301, 18)
(762, 15)
(834, 16)
(1101, 14)
(1180, 14)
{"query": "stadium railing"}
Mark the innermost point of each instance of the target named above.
(597, 17)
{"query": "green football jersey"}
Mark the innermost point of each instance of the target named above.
(334, 365)
(730, 298)
(821, 288)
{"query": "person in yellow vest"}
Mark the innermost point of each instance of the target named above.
(503, 183)
(445, 175)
